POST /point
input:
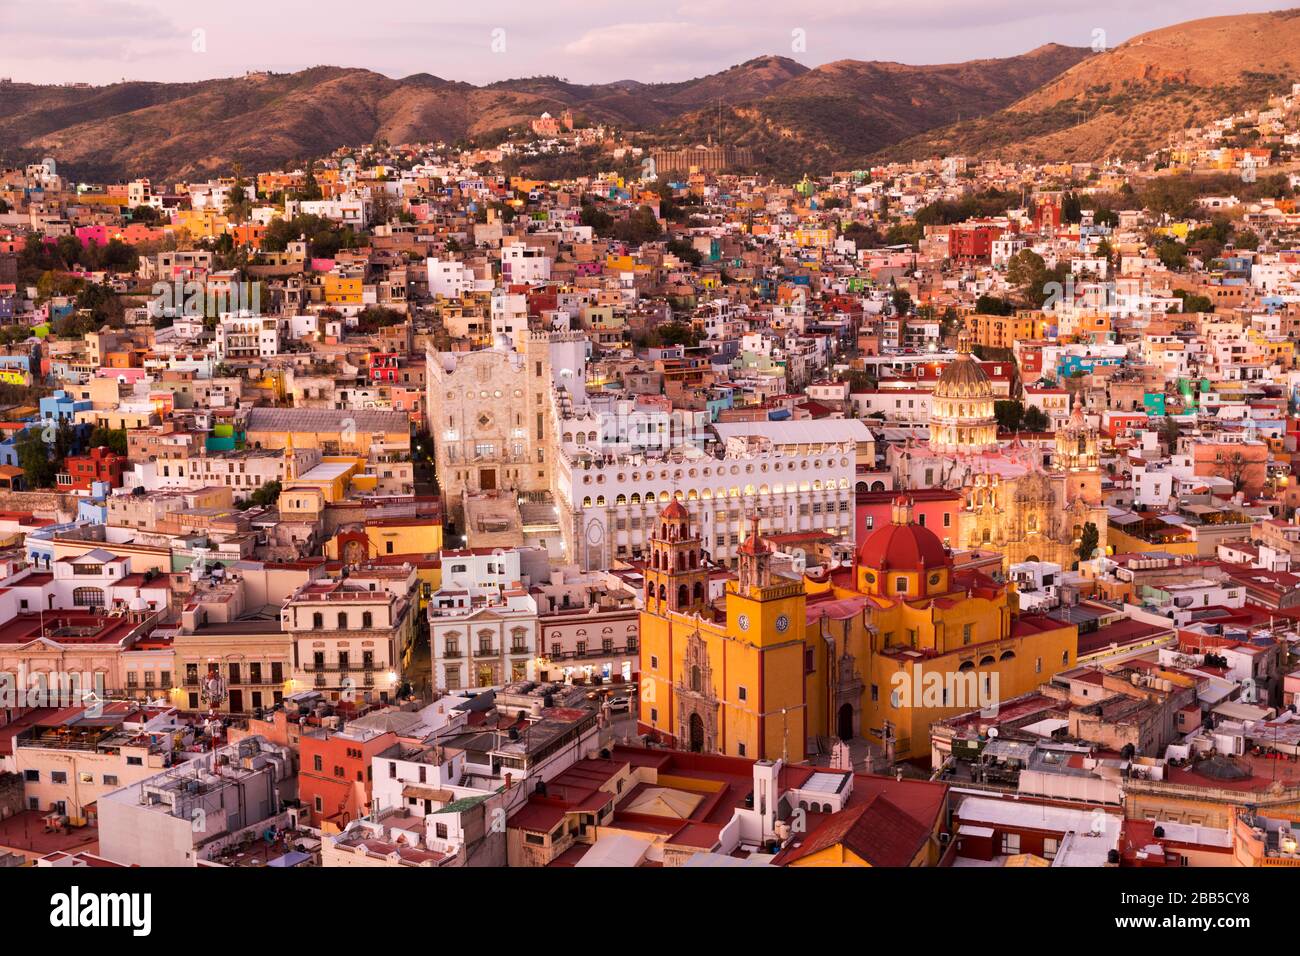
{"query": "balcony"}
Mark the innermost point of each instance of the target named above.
(592, 654)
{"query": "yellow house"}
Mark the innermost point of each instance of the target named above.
(331, 478)
(341, 290)
(201, 223)
(386, 536)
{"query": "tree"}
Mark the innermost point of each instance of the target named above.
(1035, 419)
(901, 300)
(992, 305)
(1029, 273)
(1233, 467)
(114, 439)
(1172, 253)
(1009, 414)
(1246, 240)
(40, 459)
(685, 251)
(268, 494)
(1170, 432)
(1193, 302)
(641, 226)
(600, 221)
(1088, 541)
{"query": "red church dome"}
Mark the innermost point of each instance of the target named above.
(674, 511)
(903, 545)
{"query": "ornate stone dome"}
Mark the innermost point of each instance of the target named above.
(961, 406)
(963, 379)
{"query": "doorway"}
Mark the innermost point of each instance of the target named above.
(846, 722)
(487, 479)
(697, 734)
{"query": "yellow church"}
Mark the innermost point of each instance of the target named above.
(881, 648)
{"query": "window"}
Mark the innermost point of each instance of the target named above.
(966, 632)
(316, 763)
(58, 776)
(440, 831)
(1050, 846)
(343, 621)
(1010, 843)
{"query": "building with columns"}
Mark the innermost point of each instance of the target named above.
(796, 476)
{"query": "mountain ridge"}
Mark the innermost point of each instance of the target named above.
(1052, 102)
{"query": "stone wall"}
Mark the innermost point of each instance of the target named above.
(43, 504)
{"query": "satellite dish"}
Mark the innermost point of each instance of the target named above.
(993, 733)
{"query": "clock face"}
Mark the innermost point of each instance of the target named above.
(782, 623)
(743, 622)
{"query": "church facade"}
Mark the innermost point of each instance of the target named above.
(1016, 503)
(881, 648)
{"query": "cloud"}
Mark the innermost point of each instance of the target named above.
(88, 40)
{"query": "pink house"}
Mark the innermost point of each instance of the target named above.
(92, 234)
(933, 508)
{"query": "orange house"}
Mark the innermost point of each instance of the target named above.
(335, 777)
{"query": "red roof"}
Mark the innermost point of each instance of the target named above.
(903, 547)
(878, 831)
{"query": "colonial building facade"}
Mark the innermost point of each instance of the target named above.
(783, 666)
(1016, 502)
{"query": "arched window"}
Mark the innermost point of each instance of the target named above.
(367, 620)
(663, 593)
(318, 620)
(695, 679)
(1008, 656)
(343, 621)
(699, 591)
(90, 597)
(683, 595)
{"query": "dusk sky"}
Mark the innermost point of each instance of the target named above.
(102, 41)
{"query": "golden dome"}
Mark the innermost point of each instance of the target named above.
(963, 378)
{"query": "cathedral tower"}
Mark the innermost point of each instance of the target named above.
(675, 577)
(1077, 457)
